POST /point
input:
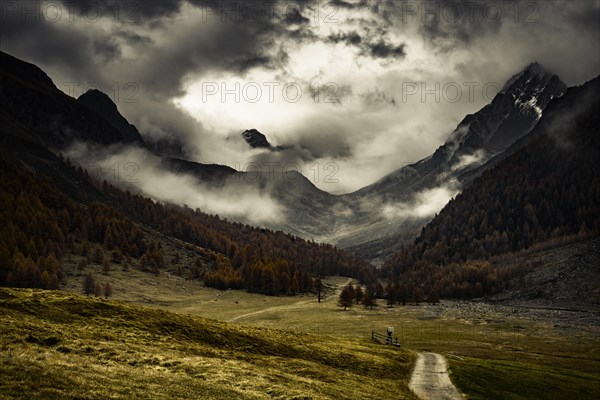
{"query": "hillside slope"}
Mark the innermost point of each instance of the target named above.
(34, 110)
(546, 192)
(468, 151)
(63, 346)
(54, 119)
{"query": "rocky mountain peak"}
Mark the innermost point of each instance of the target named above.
(103, 105)
(256, 139)
(511, 114)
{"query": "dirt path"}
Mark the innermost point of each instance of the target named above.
(430, 380)
(274, 308)
(290, 306)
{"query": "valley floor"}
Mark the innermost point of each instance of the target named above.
(57, 345)
(493, 351)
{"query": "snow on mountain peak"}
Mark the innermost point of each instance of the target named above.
(533, 71)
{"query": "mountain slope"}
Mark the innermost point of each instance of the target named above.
(513, 112)
(372, 222)
(105, 107)
(28, 96)
(547, 191)
(59, 345)
(477, 139)
(52, 208)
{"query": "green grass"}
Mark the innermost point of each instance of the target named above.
(507, 380)
(549, 362)
(57, 345)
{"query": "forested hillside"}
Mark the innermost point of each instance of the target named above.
(546, 193)
(41, 225)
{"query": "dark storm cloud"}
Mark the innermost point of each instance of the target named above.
(231, 43)
(447, 24)
(377, 48)
(133, 37)
(108, 49)
(248, 62)
(239, 48)
(588, 19)
(350, 38)
(457, 23)
(347, 5)
(382, 49)
(110, 44)
(33, 37)
(164, 46)
(127, 11)
(294, 16)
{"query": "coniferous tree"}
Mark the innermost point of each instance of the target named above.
(433, 297)
(107, 290)
(81, 265)
(358, 294)
(318, 285)
(89, 285)
(369, 300)
(105, 266)
(346, 297)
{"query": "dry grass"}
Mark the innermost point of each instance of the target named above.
(65, 346)
(522, 353)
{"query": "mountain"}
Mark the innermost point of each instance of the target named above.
(360, 221)
(51, 208)
(373, 222)
(513, 112)
(545, 193)
(256, 139)
(478, 139)
(29, 97)
(104, 106)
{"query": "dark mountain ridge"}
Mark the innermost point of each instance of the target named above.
(545, 193)
(51, 207)
(55, 119)
(256, 139)
(475, 145)
(353, 221)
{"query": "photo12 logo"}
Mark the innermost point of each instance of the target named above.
(254, 92)
(117, 173)
(451, 92)
(88, 11)
(467, 12)
(118, 92)
(265, 11)
(270, 171)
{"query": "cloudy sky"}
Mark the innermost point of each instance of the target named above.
(353, 89)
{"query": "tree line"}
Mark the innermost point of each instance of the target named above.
(544, 195)
(41, 224)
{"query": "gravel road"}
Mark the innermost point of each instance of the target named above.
(430, 380)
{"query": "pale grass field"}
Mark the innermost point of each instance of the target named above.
(56, 345)
(523, 345)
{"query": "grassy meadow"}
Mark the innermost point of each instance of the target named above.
(57, 345)
(166, 337)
